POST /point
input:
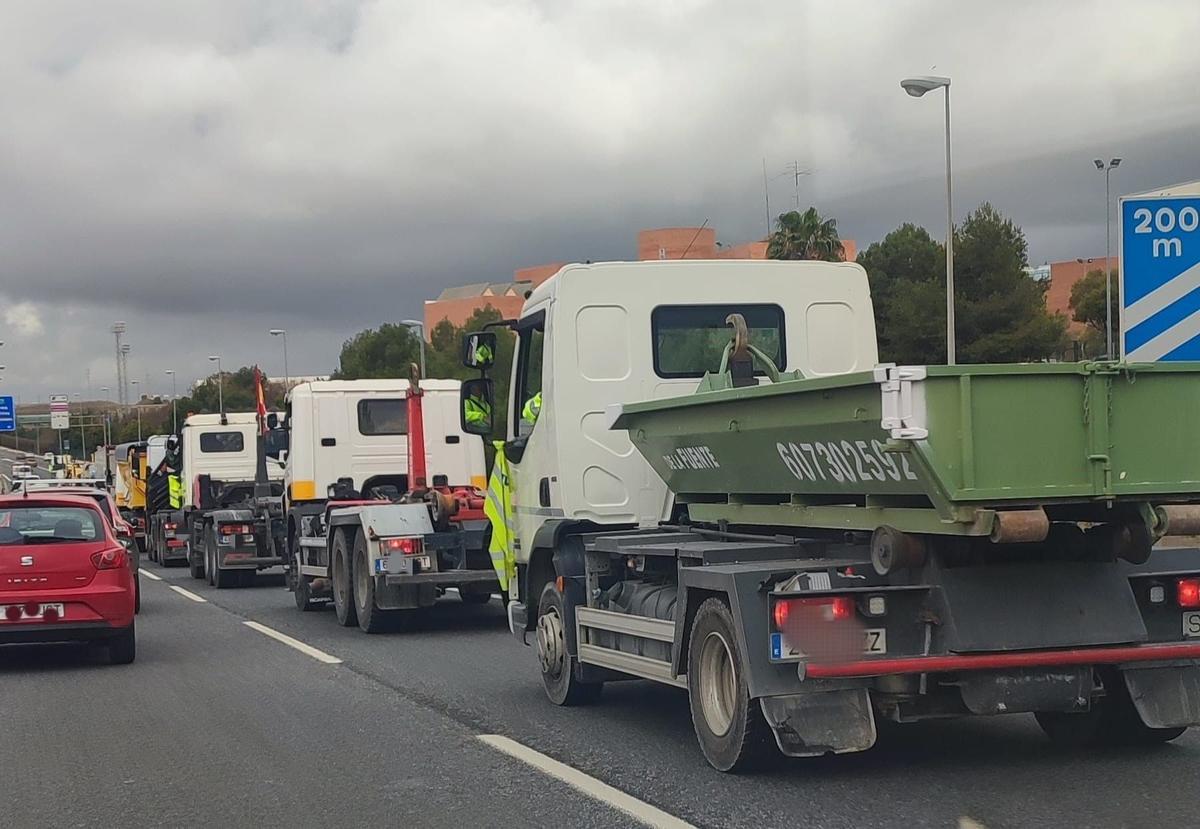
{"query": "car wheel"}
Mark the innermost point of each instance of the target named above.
(122, 648)
(137, 594)
(558, 674)
(730, 727)
(343, 582)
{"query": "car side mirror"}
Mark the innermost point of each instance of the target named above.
(477, 406)
(479, 350)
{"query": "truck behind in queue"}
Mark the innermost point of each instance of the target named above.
(384, 499)
(828, 557)
(222, 530)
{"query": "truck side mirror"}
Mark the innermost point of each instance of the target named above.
(479, 350)
(477, 404)
(272, 420)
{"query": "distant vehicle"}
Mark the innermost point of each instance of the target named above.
(64, 575)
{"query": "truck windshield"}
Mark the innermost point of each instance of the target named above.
(689, 339)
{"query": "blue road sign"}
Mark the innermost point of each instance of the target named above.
(8, 414)
(1160, 278)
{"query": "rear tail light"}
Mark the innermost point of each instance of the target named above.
(108, 559)
(823, 609)
(169, 526)
(12, 612)
(234, 529)
(1187, 591)
(407, 546)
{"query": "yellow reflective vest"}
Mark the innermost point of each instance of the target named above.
(175, 490)
(498, 507)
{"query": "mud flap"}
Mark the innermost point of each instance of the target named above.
(1166, 697)
(823, 722)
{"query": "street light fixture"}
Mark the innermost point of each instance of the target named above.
(174, 403)
(916, 87)
(216, 358)
(420, 326)
(287, 378)
(1108, 330)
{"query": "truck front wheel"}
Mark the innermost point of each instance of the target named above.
(343, 583)
(730, 727)
(557, 664)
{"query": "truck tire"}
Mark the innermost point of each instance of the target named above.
(469, 596)
(210, 562)
(370, 618)
(730, 727)
(195, 559)
(1112, 721)
(343, 582)
(557, 666)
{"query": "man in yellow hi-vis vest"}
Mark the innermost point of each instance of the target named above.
(498, 507)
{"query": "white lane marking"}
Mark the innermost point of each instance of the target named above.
(640, 811)
(307, 650)
(188, 594)
(149, 575)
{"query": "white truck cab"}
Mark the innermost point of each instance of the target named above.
(602, 334)
(222, 447)
(358, 429)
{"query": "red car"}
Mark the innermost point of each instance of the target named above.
(64, 575)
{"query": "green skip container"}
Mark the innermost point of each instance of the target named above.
(974, 450)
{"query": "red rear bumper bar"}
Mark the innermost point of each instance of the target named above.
(997, 661)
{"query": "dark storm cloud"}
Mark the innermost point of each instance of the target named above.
(207, 170)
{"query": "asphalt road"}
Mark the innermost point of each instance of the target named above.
(216, 723)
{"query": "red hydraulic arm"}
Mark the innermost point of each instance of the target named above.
(417, 474)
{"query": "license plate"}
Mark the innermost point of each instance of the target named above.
(58, 608)
(1191, 624)
(407, 564)
(874, 643)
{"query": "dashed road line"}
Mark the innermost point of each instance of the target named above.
(639, 810)
(188, 594)
(307, 650)
(144, 572)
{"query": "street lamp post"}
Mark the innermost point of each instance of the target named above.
(1108, 328)
(287, 378)
(82, 435)
(917, 87)
(216, 358)
(107, 436)
(174, 403)
(137, 405)
(420, 326)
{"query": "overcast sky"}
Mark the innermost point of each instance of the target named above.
(208, 170)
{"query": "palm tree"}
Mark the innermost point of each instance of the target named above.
(805, 236)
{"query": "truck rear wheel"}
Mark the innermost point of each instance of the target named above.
(558, 675)
(1112, 720)
(730, 727)
(343, 582)
(370, 618)
(195, 563)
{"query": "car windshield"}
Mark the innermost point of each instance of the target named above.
(36, 524)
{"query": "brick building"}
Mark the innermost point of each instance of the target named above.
(1063, 276)
(457, 304)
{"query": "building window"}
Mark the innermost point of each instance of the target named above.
(383, 416)
(688, 340)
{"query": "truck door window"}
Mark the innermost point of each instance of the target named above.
(529, 372)
(383, 416)
(688, 339)
(222, 442)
